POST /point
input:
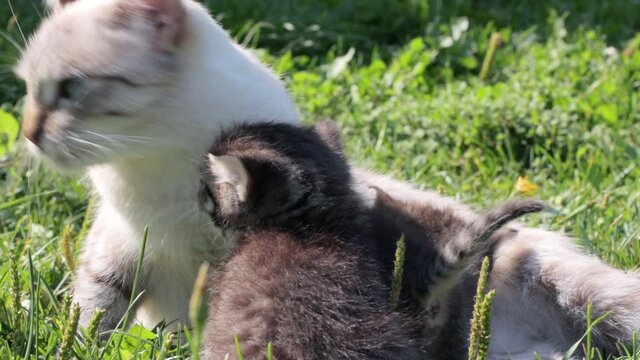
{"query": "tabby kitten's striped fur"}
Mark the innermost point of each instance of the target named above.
(543, 282)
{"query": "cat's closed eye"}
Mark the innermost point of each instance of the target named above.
(73, 91)
(69, 88)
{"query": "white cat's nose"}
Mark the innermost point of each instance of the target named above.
(33, 123)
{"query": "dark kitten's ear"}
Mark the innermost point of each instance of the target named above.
(230, 169)
(275, 185)
(329, 132)
(228, 184)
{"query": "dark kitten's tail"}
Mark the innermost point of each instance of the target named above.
(498, 217)
(448, 268)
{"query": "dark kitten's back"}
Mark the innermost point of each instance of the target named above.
(311, 302)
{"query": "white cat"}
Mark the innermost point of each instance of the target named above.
(134, 91)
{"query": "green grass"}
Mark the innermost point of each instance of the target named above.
(560, 104)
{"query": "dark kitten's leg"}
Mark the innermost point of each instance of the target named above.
(104, 280)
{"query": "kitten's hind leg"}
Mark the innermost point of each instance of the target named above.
(554, 280)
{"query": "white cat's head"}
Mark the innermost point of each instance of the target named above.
(96, 73)
(109, 80)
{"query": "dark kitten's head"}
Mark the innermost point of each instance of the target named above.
(277, 175)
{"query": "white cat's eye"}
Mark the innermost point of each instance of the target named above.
(69, 88)
(48, 93)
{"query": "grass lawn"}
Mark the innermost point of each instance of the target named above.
(558, 104)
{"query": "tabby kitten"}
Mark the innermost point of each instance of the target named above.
(302, 275)
(543, 281)
(441, 246)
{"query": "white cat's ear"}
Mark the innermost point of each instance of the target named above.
(230, 169)
(166, 16)
(54, 5)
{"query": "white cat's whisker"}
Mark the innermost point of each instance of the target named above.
(64, 148)
(108, 138)
(121, 140)
(86, 151)
(133, 138)
(102, 151)
(76, 138)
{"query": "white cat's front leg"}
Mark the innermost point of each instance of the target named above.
(105, 276)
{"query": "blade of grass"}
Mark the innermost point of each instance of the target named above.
(32, 307)
(398, 268)
(134, 289)
(236, 342)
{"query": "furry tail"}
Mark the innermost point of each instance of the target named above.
(480, 238)
(448, 268)
(508, 211)
(495, 219)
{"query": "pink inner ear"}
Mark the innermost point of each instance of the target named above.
(167, 16)
(170, 21)
(57, 4)
(163, 6)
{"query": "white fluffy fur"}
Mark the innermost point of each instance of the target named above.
(524, 318)
(156, 184)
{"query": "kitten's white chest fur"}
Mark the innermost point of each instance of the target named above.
(180, 237)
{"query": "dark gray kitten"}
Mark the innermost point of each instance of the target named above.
(303, 274)
(443, 246)
(441, 243)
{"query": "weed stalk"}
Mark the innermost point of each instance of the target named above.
(494, 42)
(398, 268)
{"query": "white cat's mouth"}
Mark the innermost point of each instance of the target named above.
(55, 158)
(73, 150)
(64, 154)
